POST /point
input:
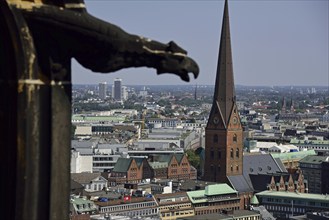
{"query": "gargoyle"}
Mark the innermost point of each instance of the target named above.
(104, 47)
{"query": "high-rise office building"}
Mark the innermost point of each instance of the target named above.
(117, 89)
(223, 146)
(124, 93)
(102, 90)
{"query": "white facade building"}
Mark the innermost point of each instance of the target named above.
(92, 182)
(124, 93)
(81, 163)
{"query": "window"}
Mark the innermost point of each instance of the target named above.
(215, 138)
(237, 153)
(231, 168)
(219, 154)
(237, 167)
(231, 152)
(235, 138)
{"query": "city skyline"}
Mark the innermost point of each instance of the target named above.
(274, 43)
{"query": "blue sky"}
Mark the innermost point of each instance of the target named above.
(274, 42)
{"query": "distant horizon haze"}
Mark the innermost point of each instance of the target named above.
(202, 85)
(274, 43)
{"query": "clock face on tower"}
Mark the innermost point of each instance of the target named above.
(235, 120)
(216, 120)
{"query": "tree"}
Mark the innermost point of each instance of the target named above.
(73, 128)
(193, 158)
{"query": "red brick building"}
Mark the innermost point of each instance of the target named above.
(223, 149)
(127, 170)
(134, 170)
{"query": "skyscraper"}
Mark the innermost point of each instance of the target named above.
(124, 93)
(117, 90)
(102, 89)
(223, 147)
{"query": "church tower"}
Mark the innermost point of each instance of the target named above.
(223, 150)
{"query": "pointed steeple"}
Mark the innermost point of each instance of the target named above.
(223, 133)
(224, 96)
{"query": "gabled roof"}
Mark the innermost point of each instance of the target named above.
(84, 178)
(280, 164)
(139, 161)
(179, 157)
(122, 165)
(168, 158)
(260, 164)
(239, 183)
(75, 185)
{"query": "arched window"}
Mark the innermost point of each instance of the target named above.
(218, 168)
(237, 167)
(235, 138)
(219, 154)
(211, 168)
(231, 152)
(215, 138)
(237, 153)
(212, 154)
(231, 168)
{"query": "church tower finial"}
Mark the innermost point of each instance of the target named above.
(223, 150)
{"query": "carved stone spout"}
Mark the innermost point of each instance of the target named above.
(103, 47)
(38, 39)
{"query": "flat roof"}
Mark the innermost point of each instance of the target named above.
(97, 118)
(200, 196)
(314, 159)
(294, 195)
(308, 142)
(221, 216)
(219, 189)
(293, 155)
